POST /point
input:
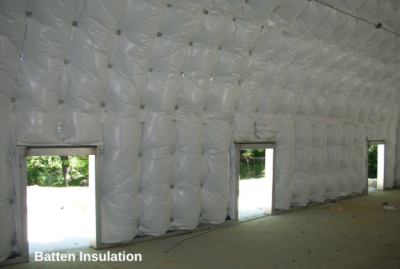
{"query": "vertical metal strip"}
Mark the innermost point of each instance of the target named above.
(95, 201)
(237, 181)
(23, 207)
(98, 196)
(366, 157)
(273, 179)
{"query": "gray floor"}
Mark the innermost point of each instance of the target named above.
(361, 235)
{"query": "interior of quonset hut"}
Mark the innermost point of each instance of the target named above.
(168, 89)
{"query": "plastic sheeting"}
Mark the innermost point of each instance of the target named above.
(13, 21)
(168, 87)
(122, 130)
(333, 147)
(303, 160)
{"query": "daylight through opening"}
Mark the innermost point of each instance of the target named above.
(57, 202)
(255, 182)
(376, 166)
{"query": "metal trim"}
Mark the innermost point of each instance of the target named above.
(95, 193)
(50, 151)
(376, 142)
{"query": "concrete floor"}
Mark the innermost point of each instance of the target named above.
(61, 224)
(361, 235)
(253, 197)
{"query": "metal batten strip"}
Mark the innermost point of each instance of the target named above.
(358, 18)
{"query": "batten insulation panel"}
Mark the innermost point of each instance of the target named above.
(168, 87)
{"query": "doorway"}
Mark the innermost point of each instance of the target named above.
(90, 211)
(57, 202)
(255, 179)
(376, 165)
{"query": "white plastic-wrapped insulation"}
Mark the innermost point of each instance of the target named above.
(285, 160)
(386, 111)
(390, 145)
(188, 175)
(12, 30)
(189, 162)
(308, 19)
(346, 160)
(266, 126)
(326, 25)
(303, 159)
(121, 182)
(244, 120)
(354, 99)
(243, 123)
(287, 11)
(86, 72)
(43, 54)
(318, 164)
(215, 189)
(369, 91)
(223, 98)
(122, 129)
(330, 83)
(390, 151)
(7, 229)
(389, 117)
(315, 78)
(333, 147)
(359, 169)
(298, 73)
(376, 103)
(345, 86)
(278, 69)
(181, 21)
(257, 12)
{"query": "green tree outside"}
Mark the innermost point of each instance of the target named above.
(48, 171)
(373, 161)
(252, 164)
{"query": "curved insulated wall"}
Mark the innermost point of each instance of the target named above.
(168, 86)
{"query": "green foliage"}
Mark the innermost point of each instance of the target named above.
(251, 165)
(44, 171)
(373, 161)
(79, 170)
(251, 171)
(47, 171)
(252, 153)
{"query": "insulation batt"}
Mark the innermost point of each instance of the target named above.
(13, 23)
(168, 89)
(122, 128)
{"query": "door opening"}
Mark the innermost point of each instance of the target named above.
(89, 205)
(376, 165)
(255, 180)
(57, 202)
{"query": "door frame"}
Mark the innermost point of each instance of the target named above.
(381, 163)
(20, 203)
